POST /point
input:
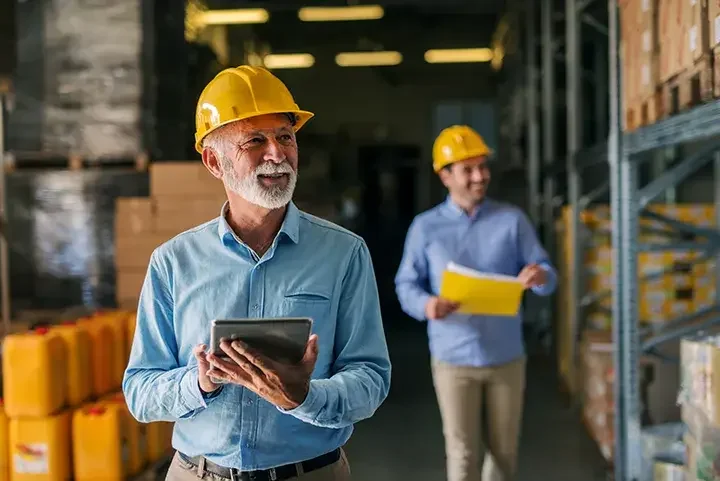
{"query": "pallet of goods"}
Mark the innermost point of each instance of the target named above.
(686, 285)
(183, 195)
(668, 53)
(71, 420)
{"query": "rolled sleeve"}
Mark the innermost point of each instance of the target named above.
(190, 392)
(550, 283)
(411, 280)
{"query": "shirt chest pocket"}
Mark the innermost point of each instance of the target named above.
(305, 303)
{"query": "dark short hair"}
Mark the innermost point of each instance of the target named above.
(292, 118)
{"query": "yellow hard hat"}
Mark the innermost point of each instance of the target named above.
(241, 93)
(457, 143)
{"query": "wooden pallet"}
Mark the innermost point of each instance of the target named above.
(689, 88)
(45, 161)
(644, 112)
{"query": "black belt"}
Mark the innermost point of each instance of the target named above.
(280, 473)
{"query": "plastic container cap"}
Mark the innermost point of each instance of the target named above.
(96, 410)
(42, 331)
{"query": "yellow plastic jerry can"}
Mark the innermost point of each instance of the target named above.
(40, 448)
(136, 436)
(79, 346)
(34, 367)
(4, 444)
(159, 440)
(101, 353)
(100, 443)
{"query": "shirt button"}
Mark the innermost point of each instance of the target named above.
(256, 307)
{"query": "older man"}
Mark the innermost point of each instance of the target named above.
(252, 417)
(476, 360)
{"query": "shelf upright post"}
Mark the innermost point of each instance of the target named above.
(548, 109)
(4, 257)
(533, 137)
(623, 178)
(574, 140)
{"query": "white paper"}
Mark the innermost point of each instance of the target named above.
(467, 271)
(646, 41)
(717, 29)
(693, 38)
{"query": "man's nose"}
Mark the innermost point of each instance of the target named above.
(478, 175)
(274, 151)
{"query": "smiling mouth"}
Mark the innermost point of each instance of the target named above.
(273, 176)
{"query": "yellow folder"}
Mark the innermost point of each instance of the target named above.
(481, 293)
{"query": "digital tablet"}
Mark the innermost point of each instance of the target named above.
(280, 339)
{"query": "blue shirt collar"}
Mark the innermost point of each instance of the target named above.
(290, 226)
(455, 210)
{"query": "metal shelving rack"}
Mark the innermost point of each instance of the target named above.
(623, 153)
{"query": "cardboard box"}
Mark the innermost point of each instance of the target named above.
(128, 285)
(184, 179)
(173, 215)
(713, 23)
(649, 48)
(133, 252)
(672, 37)
(630, 50)
(134, 216)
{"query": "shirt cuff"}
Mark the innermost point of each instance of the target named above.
(548, 287)
(190, 392)
(309, 410)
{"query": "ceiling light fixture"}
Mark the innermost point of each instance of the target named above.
(340, 14)
(368, 59)
(459, 55)
(288, 60)
(238, 16)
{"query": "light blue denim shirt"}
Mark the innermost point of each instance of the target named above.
(498, 238)
(313, 269)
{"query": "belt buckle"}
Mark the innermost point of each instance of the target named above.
(273, 474)
(235, 475)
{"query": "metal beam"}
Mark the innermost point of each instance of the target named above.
(4, 257)
(548, 116)
(676, 175)
(709, 233)
(678, 333)
(684, 319)
(594, 195)
(623, 175)
(533, 137)
(594, 23)
(574, 140)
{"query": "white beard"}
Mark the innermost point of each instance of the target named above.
(251, 189)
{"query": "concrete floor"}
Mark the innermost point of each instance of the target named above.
(404, 439)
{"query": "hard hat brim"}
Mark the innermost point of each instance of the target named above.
(302, 117)
(484, 153)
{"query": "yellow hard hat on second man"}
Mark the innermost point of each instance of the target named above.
(241, 93)
(457, 143)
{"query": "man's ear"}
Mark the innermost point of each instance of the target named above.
(212, 162)
(445, 175)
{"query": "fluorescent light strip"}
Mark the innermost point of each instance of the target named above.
(340, 14)
(289, 60)
(459, 55)
(233, 17)
(368, 59)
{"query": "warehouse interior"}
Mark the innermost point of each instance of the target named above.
(604, 117)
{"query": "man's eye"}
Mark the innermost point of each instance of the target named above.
(286, 137)
(256, 140)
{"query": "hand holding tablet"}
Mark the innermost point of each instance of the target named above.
(272, 357)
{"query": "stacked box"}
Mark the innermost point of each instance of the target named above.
(182, 195)
(686, 287)
(697, 31)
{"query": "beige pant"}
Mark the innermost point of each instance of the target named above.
(461, 393)
(182, 471)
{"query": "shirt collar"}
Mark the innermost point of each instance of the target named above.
(455, 210)
(290, 226)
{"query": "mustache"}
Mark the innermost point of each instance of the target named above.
(271, 168)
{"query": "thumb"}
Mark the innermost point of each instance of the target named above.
(199, 353)
(311, 350)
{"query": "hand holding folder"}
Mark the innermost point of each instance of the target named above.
(481, 293)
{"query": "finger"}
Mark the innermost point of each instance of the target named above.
(311, 350)
(199, 353)
(254, 358)
(234, 373)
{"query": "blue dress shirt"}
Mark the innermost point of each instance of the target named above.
(497, 238)
(313, 269)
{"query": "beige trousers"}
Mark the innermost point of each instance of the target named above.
(182, 471)
(462, 392)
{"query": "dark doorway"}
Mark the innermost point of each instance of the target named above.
(388, 175)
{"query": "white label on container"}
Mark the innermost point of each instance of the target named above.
(693, 38)
(717, 29)
(31, 459)
(646, 74)
(646, 41)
